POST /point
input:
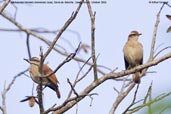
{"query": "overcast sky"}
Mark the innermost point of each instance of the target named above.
(114, 21)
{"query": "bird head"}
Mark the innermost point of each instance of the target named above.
(33, 60)
(134, 35)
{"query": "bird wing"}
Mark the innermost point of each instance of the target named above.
(126, 63)
(141, 61)
(140, 54)
(46, 71)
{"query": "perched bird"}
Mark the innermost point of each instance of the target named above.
(50, 81)
(133, 54)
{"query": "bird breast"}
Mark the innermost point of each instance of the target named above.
(35, 75)
(133, 52)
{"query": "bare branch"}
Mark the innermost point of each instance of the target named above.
(161, 51)
(155, 34)
(77, 80)
(28, 46)
(72, 101)
(68, 58)
(4, 5)
(72, 88)
(49, 110)
(28, 31)
(4, 92)
(133, 101)
(92, 16)
(64, 107)
(68, 22)
(117, 91)
(3, 107)
(148, 93)
(39, 86)
(168, 5)
(14, 78)
(158, 47)
(120, 98)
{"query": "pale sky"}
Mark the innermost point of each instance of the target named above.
(114, 21)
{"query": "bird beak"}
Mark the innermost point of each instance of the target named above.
(139, 34)
(27, 60)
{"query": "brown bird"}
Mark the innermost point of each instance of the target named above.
(133, 54)
(50, 81)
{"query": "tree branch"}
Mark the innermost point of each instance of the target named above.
(133, 101)
(120, 98)
(68, 22)
(28, 31)
(77, 79)
(92, 17)
(28, 46)
(151, 57)
(4, 92)
(4, 5)
(66, 106)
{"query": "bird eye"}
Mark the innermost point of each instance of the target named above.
(133, 35)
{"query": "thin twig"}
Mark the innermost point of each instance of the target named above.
(68, 58)
(158, 47)
(76, 79)
(133, 101)
(72, 88)
(148, 95)
(82, 68)
(28, 45)
(67, 23)
(105, 67)
(161, 51)
(168, 5)
(85, 73)
(117, 91)
(120, 98)
(15, 77)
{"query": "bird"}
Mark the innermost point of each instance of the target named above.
(49, 81)
(133, 54)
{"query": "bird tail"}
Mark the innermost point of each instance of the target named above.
(136, 77)
(56, 89)
(58, 93)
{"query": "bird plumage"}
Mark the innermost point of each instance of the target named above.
(133, 54)
(50, 81)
